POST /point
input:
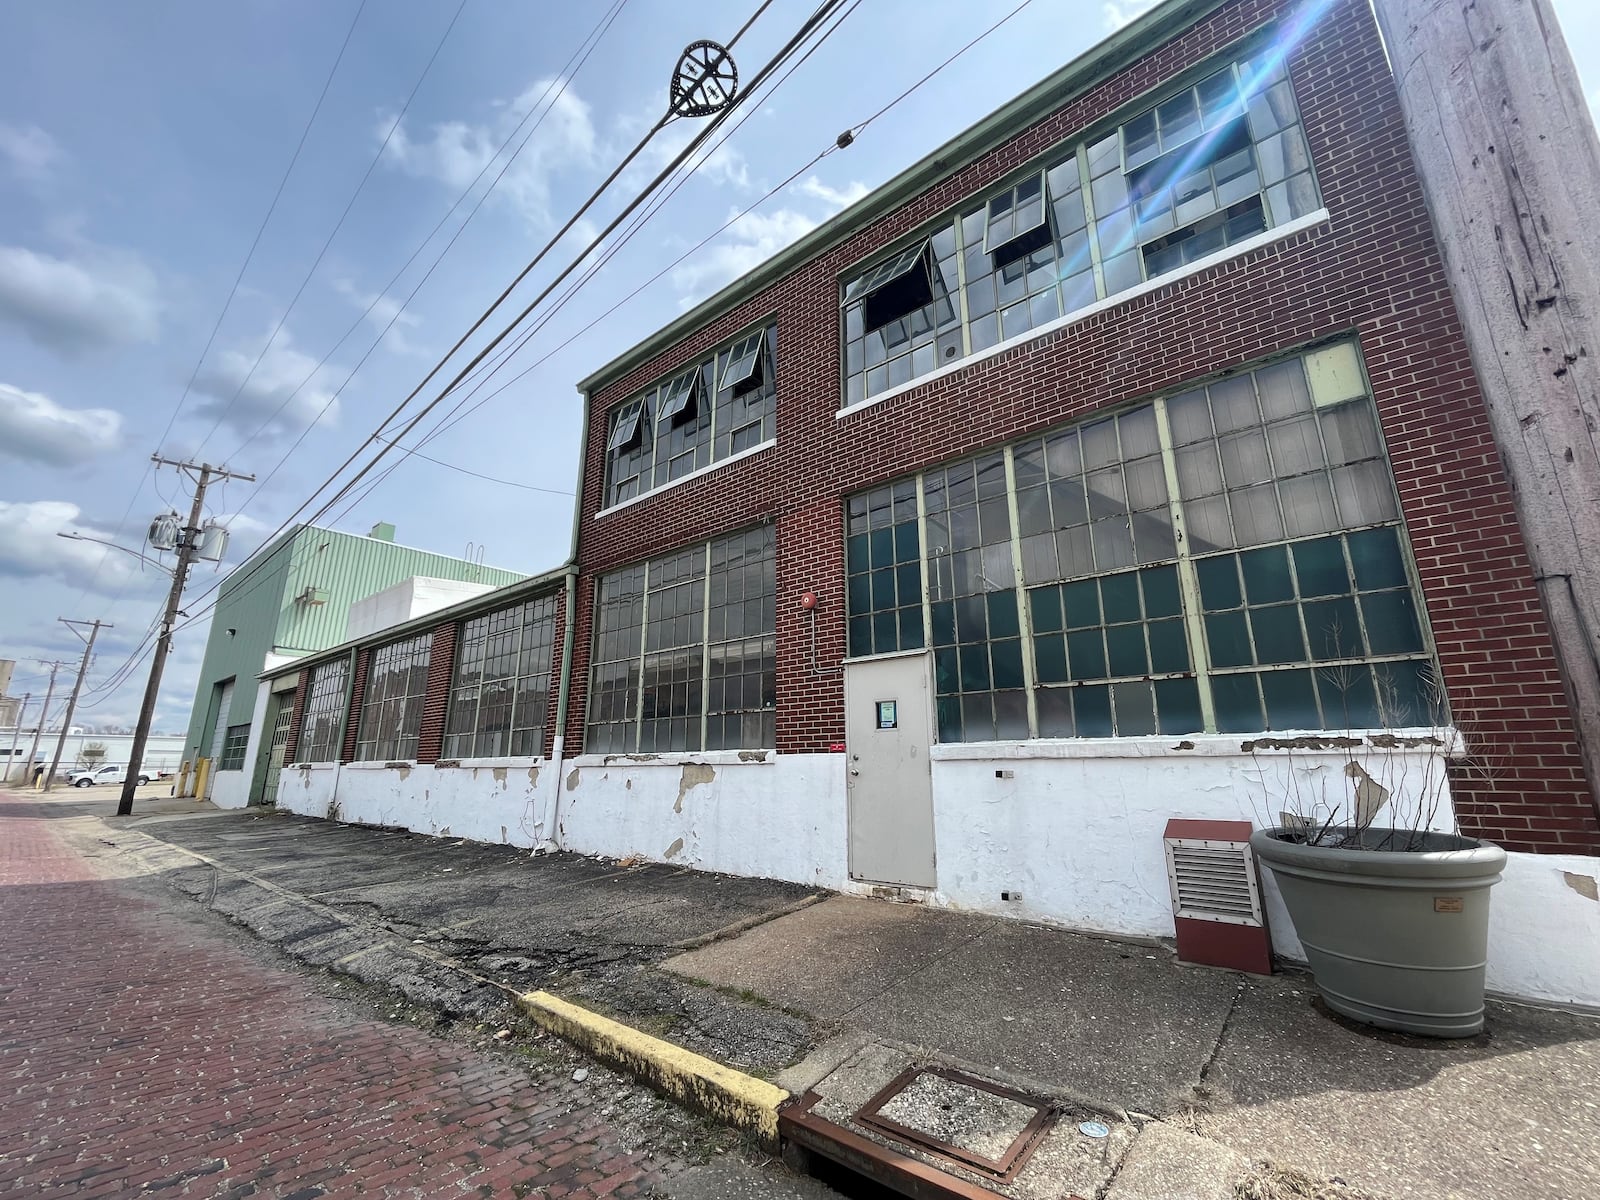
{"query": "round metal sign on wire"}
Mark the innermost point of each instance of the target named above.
(704, 81)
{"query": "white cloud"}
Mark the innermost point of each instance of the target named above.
(30, 549)
(834, 197)
(29, 152)
(1117, 13)
(285, 391)
(34, 427)
(99, 298)
(455, 152)
(379, 312)
(722, 165)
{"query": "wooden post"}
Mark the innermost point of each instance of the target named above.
(1510, 164)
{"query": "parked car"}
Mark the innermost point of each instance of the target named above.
(110, 773)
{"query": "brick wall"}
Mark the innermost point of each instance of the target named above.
(436, 701)
(297, 718)
(1373, 269)
(358, 692)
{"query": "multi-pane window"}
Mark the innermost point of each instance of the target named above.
(322, 727)
(685, 651)
(724, 404)
(233, 748)
(391, 711)
(1214, 164)
(1074, 591)
(501, 687)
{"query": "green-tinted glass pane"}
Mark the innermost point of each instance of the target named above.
(1125, 650)
(1228, 638)
(1086, 655)
(856, 553)
(970, 624)
(860, 594)
(1348, 699)
(974, 668)
(883, 588)
(1055, 712)
(1003, 614)
(1161, 592)
(1333, 628)
(944, 623)
(949, 718)
(1266, 575)
(1178, 706)
(1278, 636)
(946, 670)
(860, 636)
(1319, 565)
(1092, 707)
(1081, 602)
(1169, 647)
(911, 628)
(1135, 708)
(1238, 704)
(885, 636)
(882, 547)
(1046, 609)
(1219, 582)
(1409, 696)
(908, 583)
(1291, 698)
(1050, 658)
(905, 543)
(1391, 619)
(1375, 553)
(1120, 596)
(977, 718)
(1007, 659)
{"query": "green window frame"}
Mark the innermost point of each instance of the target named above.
(234, 744)
(500, 682)
(322, 726)
(391, 710)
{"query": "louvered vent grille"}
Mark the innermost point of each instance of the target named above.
(1213, 881)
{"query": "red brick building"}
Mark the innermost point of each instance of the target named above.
(1121, 460)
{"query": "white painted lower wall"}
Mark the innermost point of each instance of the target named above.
(1075, 828)
(229, 789)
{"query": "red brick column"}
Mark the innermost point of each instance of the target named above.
(352, 717)
(436, 701)
(297, 718)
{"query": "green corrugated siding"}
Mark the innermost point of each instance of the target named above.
(263, 611)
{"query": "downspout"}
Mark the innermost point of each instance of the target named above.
(569, 627)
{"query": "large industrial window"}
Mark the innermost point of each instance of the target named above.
(684, 651)
(233, 748)
(1209, 166)
(501, 688)
(720, 406)
(322, 727)
(1072, 590)
(391, 712)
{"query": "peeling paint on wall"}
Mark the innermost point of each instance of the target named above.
(500, 775)
(1585, 885)
(692, 776)
(674, 850)
(533, 777)
(572, 780)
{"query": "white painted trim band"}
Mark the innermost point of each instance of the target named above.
(1267, 238)
(1196, 745)
(682, 479)
(679, 758)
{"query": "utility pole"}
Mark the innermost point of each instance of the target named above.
(44, 712)
(16, 732)
(188, 544)
(72, 702)
(1506, 150)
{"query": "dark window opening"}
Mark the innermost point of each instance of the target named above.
(679, 399)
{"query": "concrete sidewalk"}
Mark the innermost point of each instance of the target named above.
(1202, 1073)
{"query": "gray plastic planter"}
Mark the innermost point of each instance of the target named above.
(1395, 938)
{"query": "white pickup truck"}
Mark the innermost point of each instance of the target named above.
(89, 776)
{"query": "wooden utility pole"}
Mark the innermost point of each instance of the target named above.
(77, 685)
(1510, 164)
(16, 732)
(188, 544)
(44, 713)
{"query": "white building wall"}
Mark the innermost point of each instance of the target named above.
(407, 600)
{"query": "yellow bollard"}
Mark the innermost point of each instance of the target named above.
(183, 779)
(202, 775)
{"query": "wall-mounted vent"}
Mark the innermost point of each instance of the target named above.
(1216, 895)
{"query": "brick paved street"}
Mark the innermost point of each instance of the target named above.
(143, 1051)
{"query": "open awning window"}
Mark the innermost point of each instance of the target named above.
(895, 288)
(679, 397)
(1018, 221)
(744, 370)
(625, 433)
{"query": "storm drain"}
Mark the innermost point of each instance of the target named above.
(970, 1121)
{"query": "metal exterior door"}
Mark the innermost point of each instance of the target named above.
(282, 717)
(888, 728)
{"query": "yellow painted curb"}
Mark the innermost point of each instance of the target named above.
(731, 1096)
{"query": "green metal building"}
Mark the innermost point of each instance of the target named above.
(291, 598)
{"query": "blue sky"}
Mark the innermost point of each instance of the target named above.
(140, 147)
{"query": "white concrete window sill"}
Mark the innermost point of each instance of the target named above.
(479, 764)
(312, 766)
(1267, 238)
(1301, 742)
(680, 758)
(386, 764)
(683, 479)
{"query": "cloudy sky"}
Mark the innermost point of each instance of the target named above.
(141, 146)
